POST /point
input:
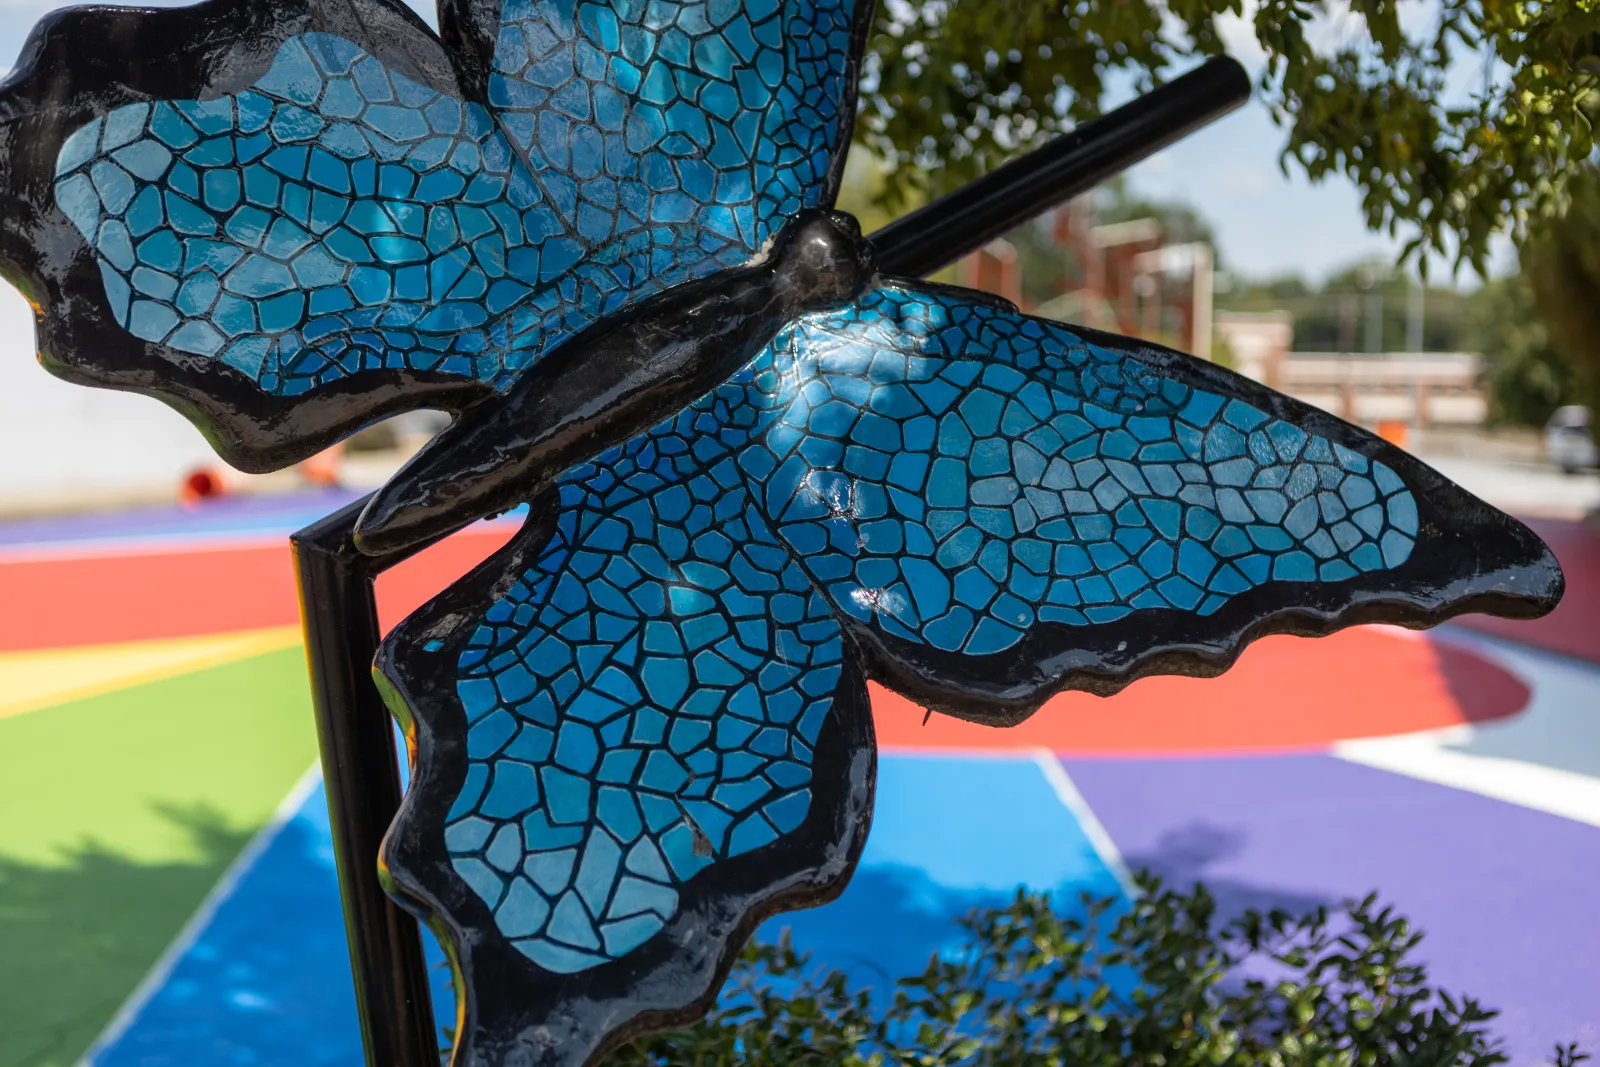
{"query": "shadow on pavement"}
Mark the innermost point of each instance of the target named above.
(80, 934)
(1182, 856)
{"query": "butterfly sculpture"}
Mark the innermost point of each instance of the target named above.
(760, 473)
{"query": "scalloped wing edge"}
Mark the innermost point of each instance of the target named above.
(1469, 557)
(211, 48)
(568, 1020)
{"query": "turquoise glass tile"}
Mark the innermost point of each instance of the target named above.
(329, 138)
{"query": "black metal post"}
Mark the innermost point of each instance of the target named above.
(361, 774)
(359, 763)
(939, 233)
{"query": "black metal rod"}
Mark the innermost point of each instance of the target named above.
(941, 232)
(360, 770)
(360, 766)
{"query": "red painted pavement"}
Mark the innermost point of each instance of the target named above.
(1285, 693)
(99, 599)
(1573, 629)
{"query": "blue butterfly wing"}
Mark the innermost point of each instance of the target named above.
(642, 726)
(335, 217)
(246, 227)
(673, 138)
(1000, 507)
(637, 730)
(349, 227)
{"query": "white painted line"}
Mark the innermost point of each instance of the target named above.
(1060, 783)
(1547, 757)
(158, 974)
(1548, 789)
(1067, 792)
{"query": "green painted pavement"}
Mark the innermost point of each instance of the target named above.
(117, 814)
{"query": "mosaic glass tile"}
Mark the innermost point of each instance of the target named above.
(338, 216)
(645, 699)
(954, 473)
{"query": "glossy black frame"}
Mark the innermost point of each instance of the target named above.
(355, 730)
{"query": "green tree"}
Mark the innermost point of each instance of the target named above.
(1526, 375)
(1561, 260)
(953, 87)
(1334, 316)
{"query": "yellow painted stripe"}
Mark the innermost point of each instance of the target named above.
(39, 679)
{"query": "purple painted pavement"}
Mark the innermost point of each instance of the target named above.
(244, 516)
(1506, 895)
(233, 515)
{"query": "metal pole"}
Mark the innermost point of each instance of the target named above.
(939, 233)
(359, 762)
(361, 774)
(1414, 310)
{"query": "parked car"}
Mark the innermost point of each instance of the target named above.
(1569, 439)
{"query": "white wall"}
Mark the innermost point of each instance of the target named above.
(61, 442)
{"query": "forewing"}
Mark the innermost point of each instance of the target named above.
(1001, 507)
(309, 219)
(290, 224)
(673, 136)
(637, 731)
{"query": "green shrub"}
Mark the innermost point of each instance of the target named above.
(1158, 982)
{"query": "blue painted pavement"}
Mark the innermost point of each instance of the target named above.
(266, 980)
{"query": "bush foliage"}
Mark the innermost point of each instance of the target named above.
(1159, 982)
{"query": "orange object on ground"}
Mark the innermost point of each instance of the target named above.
(1394, 431)
(204, 483)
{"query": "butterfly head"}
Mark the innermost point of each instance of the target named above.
(822, 260)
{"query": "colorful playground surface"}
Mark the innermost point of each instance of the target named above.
(167, 893)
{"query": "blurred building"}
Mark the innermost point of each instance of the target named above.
(1127, 277)
(1417, 388)
(1131, 279)
(1256, 343)
(66, 446)
(994, 268)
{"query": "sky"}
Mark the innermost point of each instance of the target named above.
(1267, 223)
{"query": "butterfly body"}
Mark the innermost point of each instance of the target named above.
(759, 473)
(616, 380)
